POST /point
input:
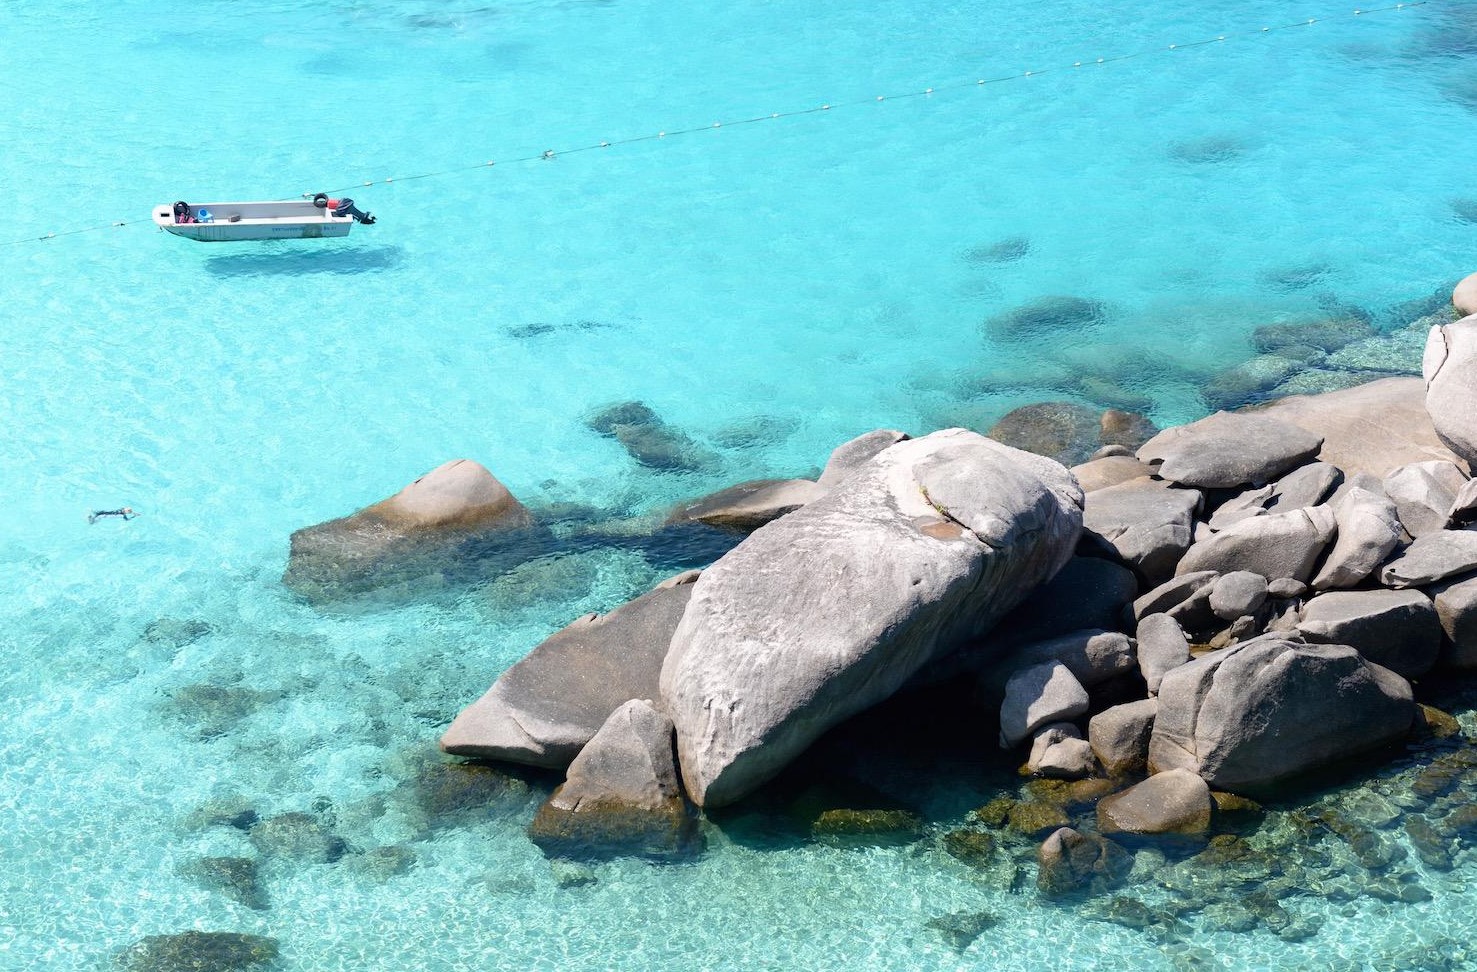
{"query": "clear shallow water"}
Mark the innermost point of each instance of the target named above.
(770, 289)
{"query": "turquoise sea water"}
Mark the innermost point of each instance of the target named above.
(769, 289)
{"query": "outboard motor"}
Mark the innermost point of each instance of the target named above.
(346, 207)
(343, 207)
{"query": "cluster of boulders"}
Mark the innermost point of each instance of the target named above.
(1268, 582)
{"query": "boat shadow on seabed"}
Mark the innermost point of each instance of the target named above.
(283, 259)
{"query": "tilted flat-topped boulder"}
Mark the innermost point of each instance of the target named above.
(826, 611)
(545, 708)
(1372, 428)
(1228, 449)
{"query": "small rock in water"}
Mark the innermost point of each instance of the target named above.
(1295, 277)
(230, 811)
(1464, 209)
(176, 632)
(297, 837)
(195, 951)
(961, 928)
(973, 847)
(1048, 319)
(571, 874)
(235, 877)
(1007, 250)
(1208, 150)
(382, 863)
(866, 828)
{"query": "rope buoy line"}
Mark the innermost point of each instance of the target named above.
(794, 113)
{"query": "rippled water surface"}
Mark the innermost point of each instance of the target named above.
(768, 289)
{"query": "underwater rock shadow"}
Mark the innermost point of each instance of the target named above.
(294, 262)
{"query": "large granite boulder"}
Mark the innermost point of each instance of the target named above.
(1368, 529)
(846, 457)
(1424, 493)
(1396, 629)
(1092, 655)
(1111, 470)
(1037, 696)
(1162, 647)
(621, 795)
(544, 709)
(747, 506)
(1149, 523)
(1464, 295)
(1433, 557)
(1276, 545)
(1450, 370)
(1176, 801)
(457, 511)
(1229, 449)
(832, 608)
(1253, 715)
(1456, 607)
(1119, 735)
(1371, 428)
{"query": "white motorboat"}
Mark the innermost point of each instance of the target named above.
(285, 219)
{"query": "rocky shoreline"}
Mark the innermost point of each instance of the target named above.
(1165, 637)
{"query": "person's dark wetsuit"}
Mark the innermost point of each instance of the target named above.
(126, 512)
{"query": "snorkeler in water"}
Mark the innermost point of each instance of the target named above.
(126, 512)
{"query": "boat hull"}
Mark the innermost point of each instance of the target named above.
(239, 222)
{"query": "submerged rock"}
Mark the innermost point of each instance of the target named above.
(867, 828)
(197, 951)
(1329, 334)
(299, 837)
(748, 506)
(545, 708)
(961, 928)
(834, 607)
(238, 878)
(1048, 319)
(649, 440)
(1072, 862)
(456, 515)
(1064, 431)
